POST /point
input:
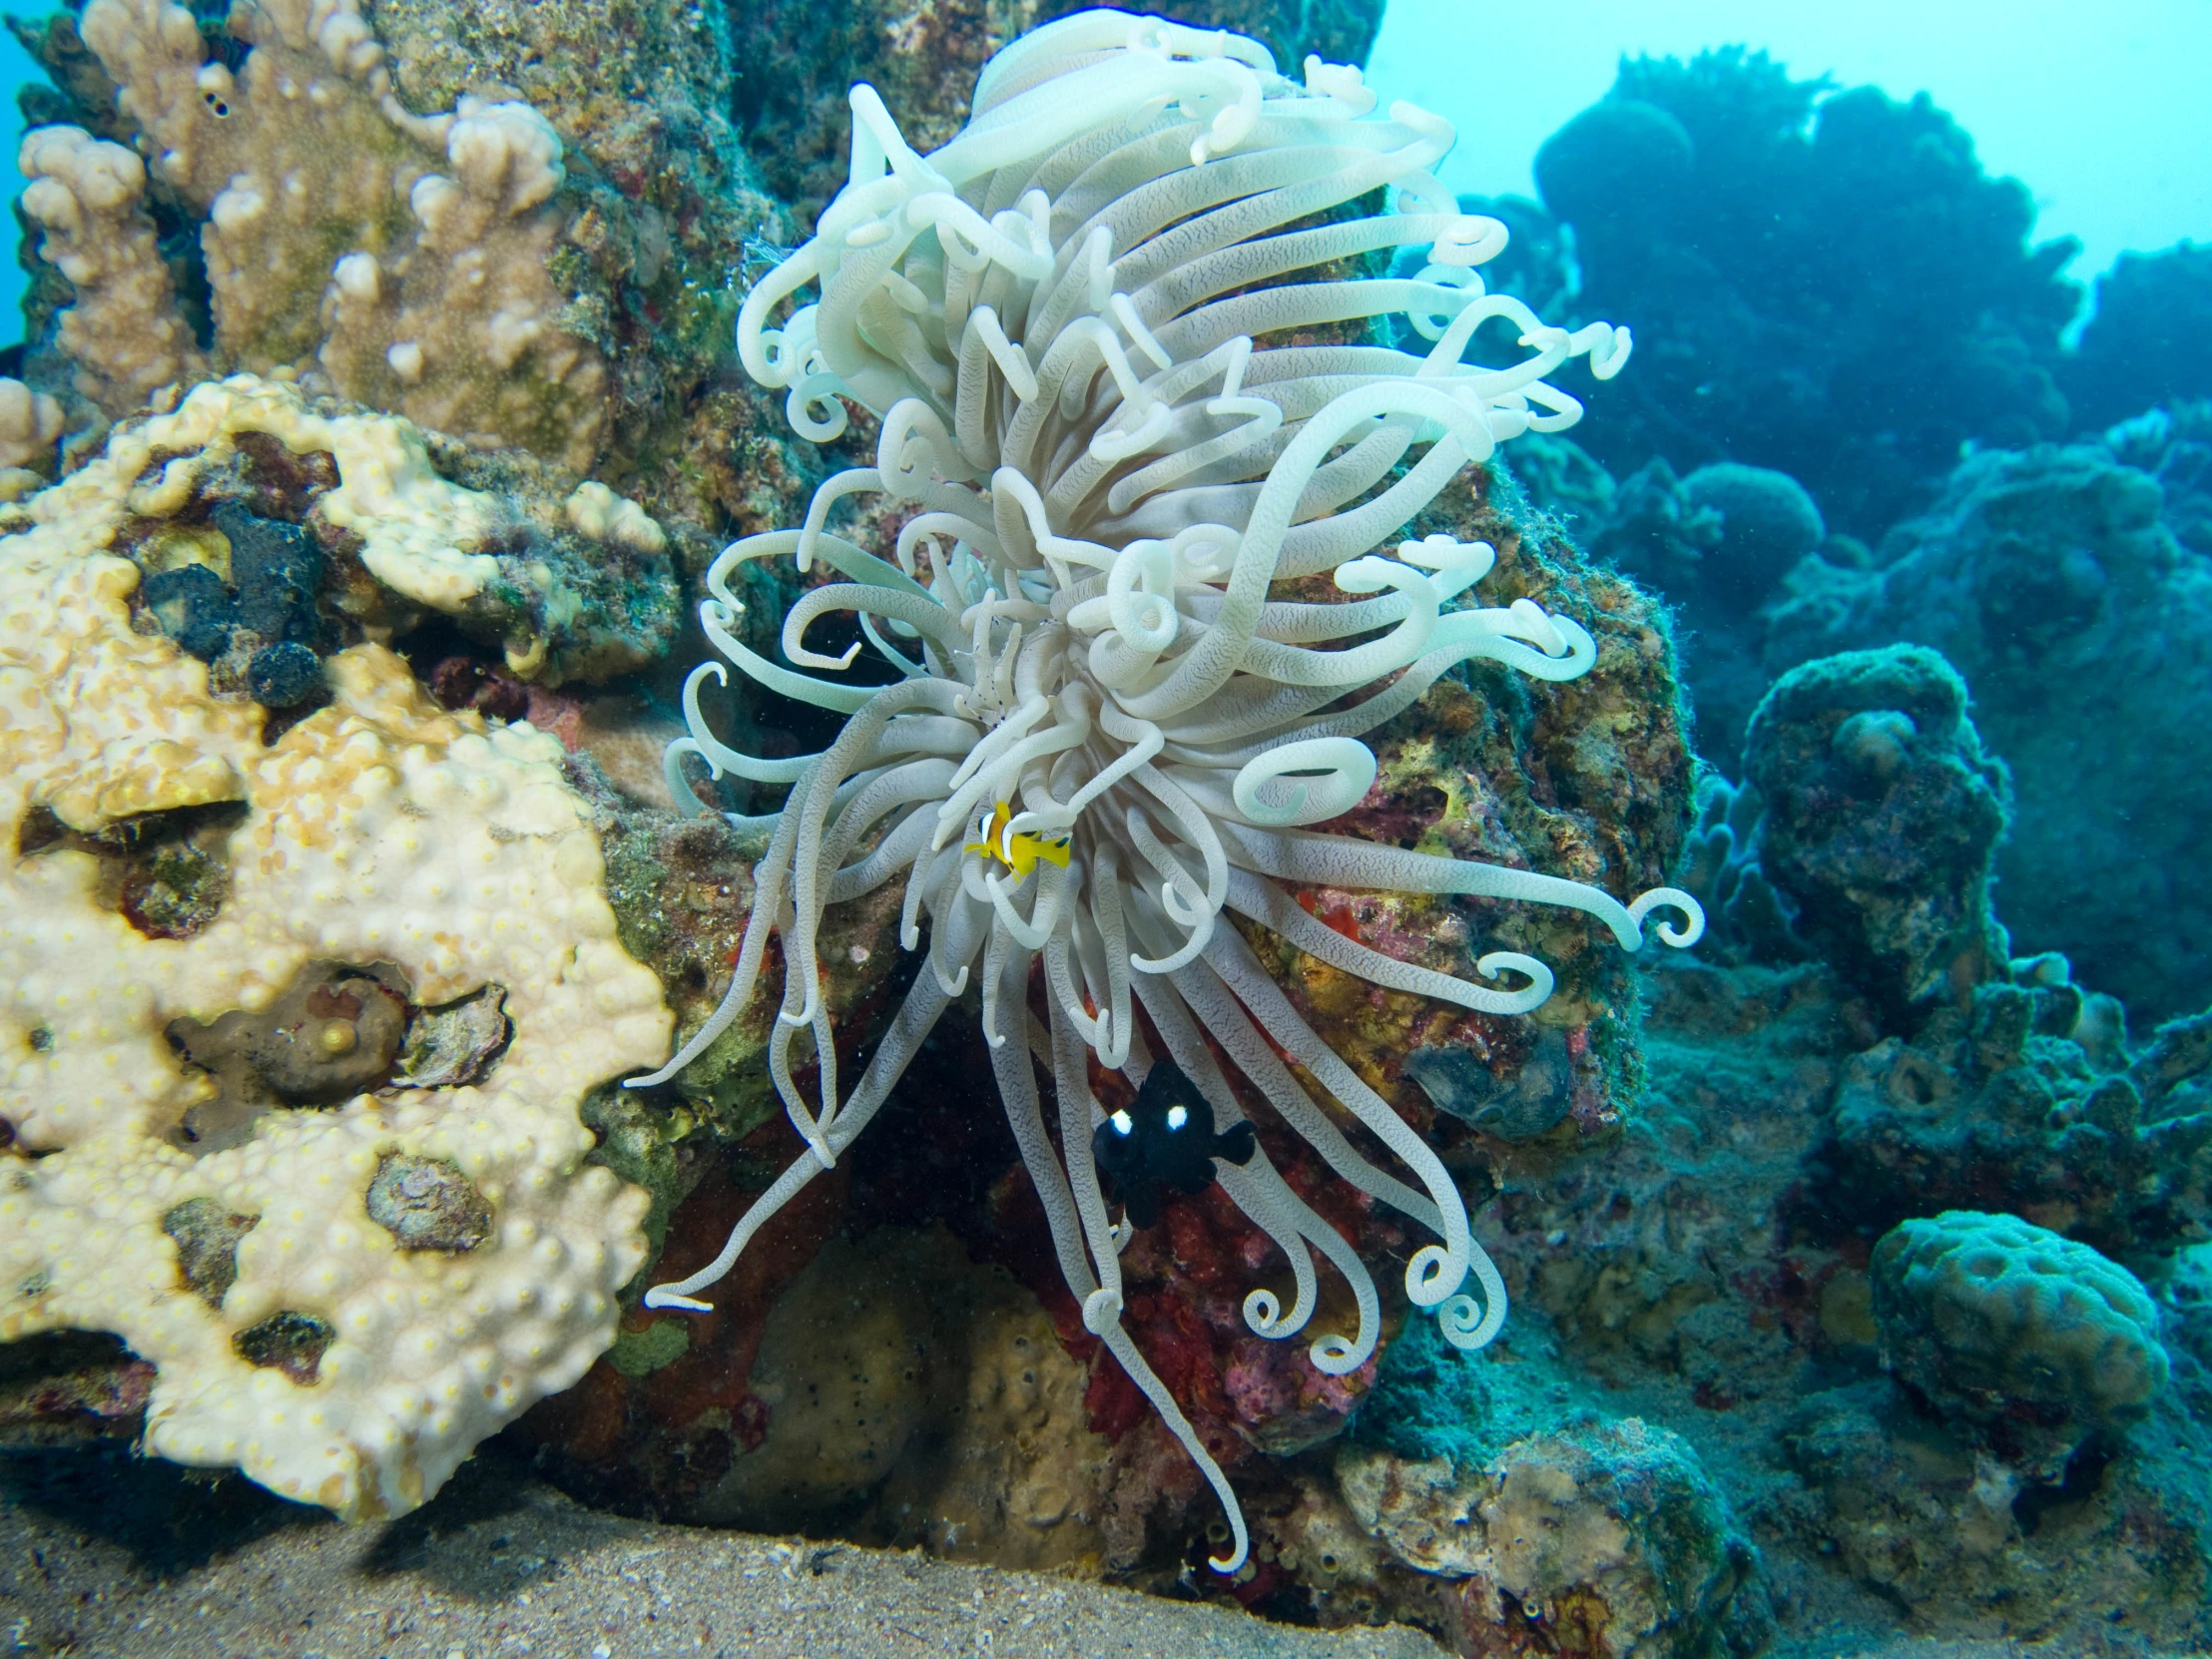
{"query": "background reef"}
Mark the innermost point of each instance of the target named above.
(1860, 1258)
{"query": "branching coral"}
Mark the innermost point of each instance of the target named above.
(1106, 617)
(403, 257)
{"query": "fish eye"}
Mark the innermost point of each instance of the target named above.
(1124, 1124)
(1177, 1117)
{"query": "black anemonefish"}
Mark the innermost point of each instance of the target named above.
(1165, 1141)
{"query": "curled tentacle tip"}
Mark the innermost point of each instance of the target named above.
(1466, 1323)
(1264, 1313)
(1432, 1273)
(662, 1295)
(1101, 1308)
(1334, 1356)
(1684, 904)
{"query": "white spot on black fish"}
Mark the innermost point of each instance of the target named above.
(1165, 1142)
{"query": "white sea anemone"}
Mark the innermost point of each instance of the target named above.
(1106, 729)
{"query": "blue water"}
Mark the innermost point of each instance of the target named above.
(16, 69)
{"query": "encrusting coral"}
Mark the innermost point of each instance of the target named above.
(1117, 724)
(571, 579)
(292, 1035)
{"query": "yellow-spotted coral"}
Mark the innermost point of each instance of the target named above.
(1133, 425)
(309, 1143)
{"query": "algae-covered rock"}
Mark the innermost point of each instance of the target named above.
(2018, 1099)
(1603, 1538)
(1958, 1539)
(2054, 581)
(1882, 813)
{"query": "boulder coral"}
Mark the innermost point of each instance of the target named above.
(2029, 1340)
(294, 1026)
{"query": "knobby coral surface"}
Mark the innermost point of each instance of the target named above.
(293, 1038)
(2026, 1337)
(573, 580)
(1122, 690)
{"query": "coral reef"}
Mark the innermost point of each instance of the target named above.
(1716, 544)
(263, 522)
(2173, 445)
(2052, 583)
(516, 228)
(30, 422)
(1606, 1539)
(2023, 1101)
(1181, 658)
(1699, 1275)
(342, 1286)
(124, 334)
(1705, 198)
(1767, 522)
(2024, 1339)
(382, 352)
(412, 270)
(1588, 772)
(2146, 342)
(2110, 1559)
(932, 1403)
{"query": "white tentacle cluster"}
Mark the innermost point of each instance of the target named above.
(1107, 728)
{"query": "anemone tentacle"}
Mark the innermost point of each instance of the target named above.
(1108, 725)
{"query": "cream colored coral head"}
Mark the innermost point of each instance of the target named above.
(341, 1298)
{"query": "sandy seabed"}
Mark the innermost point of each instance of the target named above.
(104, 1557)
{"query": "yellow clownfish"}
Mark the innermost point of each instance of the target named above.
(1018, 850)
